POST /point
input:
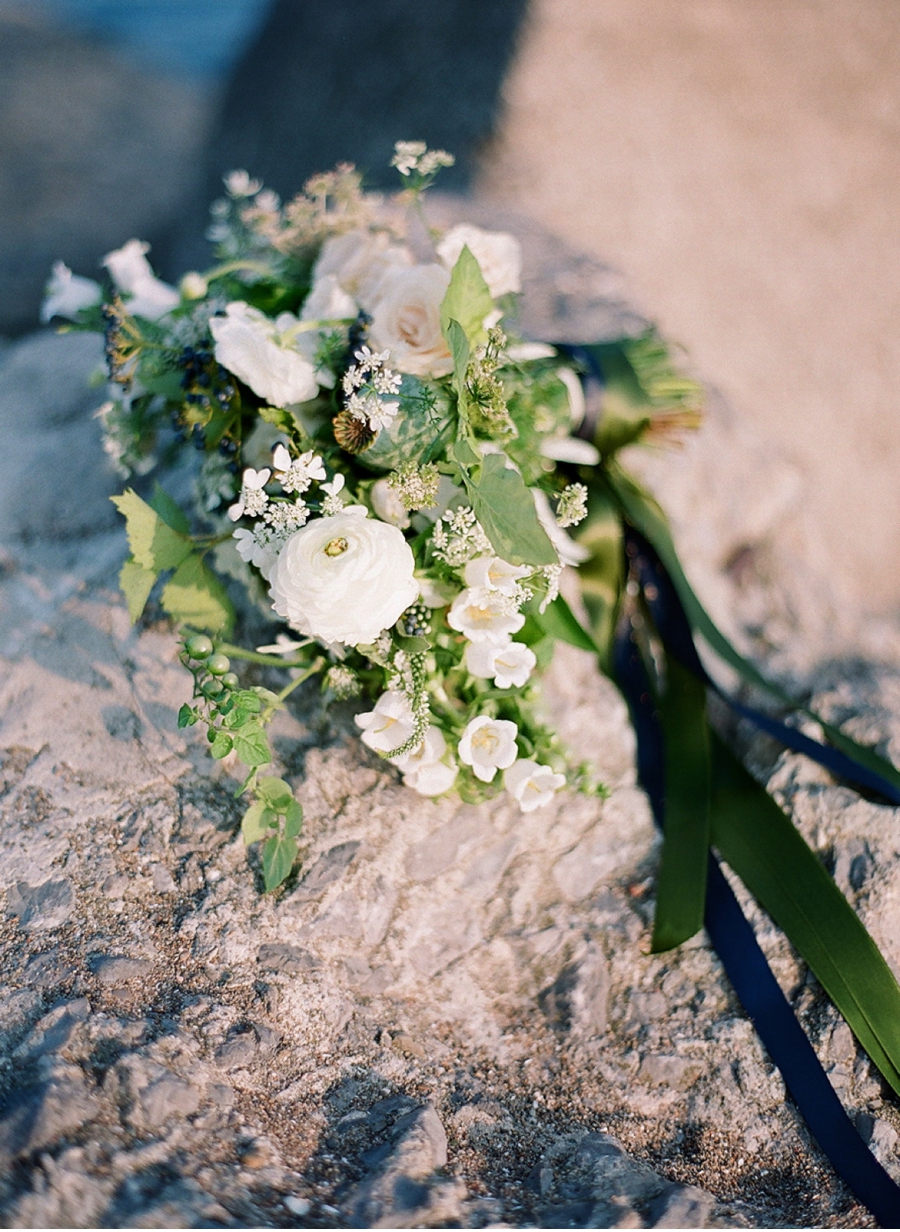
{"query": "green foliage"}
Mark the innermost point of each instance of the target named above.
(505, 508)
(136, 583)
(195, 596)
(154, 544)
(275, 818)
(467, 301)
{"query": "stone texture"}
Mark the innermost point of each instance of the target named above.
(452, 1016)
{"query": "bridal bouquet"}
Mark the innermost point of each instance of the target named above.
(403, 484)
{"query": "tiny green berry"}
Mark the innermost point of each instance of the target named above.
(230, 680)
(213, 688)
(218, 664)
(198, 646)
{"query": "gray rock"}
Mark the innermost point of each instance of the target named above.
(54, 1031)
(280, 956)
(401, 1191)
(42, 907)
(168, 1099)
(35, 1117)
(114, 969)
(326, 869)
(681, 1206)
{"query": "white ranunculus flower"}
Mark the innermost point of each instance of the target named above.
(130, 270)
(387, 504)
(495, 574)
(483, 616)
(508, 666)
(424, 770)
(389, 725)
(488, 745)
(406, 319)
(262, 353)
(344, 578)
(499, 255)
(531, 784)
(67, 293)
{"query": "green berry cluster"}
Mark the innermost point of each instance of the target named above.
(235, 718)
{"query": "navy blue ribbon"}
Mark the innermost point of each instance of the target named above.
(731, 935)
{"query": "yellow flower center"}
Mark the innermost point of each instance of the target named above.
(334, 547)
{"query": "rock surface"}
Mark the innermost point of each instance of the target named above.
(448, 1016)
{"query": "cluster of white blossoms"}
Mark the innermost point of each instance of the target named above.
(414, 158)
(279, 518)
(370, 389)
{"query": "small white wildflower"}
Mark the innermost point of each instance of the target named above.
(495, 574)
(458, 536)
(193, 285)
(67, 293)
(552, 574)
(343, 682)
(389, 725)
(508, 666)
(488, 745)
(415, 156)
(284, 517)
(367, 384)
(416, 486)
(531, 784)
(296, 474)
(334, 501)
(572, 506)
(484, 615)
(252, 499)
(239, 184)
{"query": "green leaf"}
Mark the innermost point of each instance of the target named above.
(505, 508)
(784, 875)
(559, 621)
(468, 299)
(136, 583)
(276, 792)
(279, 855)
(154, 544)
(459, 349)
(602, 576)
(187, 716)
(293, 819)
(681, 887)
(626, 409)
(195, 596)
(173, 515)
(258, 822)
(645, 514)
(251, 746)
(221, 745)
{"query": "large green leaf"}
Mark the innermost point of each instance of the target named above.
(602, 576)
(258, 822)
(559, 621)
(154, 544)
(765, 850)
(279, 854)
(467, 300)
(136, 583)
(252, 746)
(645, 514)
(196, 597)
(505, 508)
(681, 887)
(170, 512)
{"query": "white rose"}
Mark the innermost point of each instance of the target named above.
(424, 770)
(67, 293)
(508, 666)
(488, 745)
(483, 615)
(389, 725)
(130, 271)
(531, 784)
(406, 319)
(344, 578)
(499, 255)
(357, 261)
(263, 355)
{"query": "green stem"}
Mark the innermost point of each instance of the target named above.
(267, 660)
(314, 667)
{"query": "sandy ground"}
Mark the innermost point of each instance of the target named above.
(737, 159)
